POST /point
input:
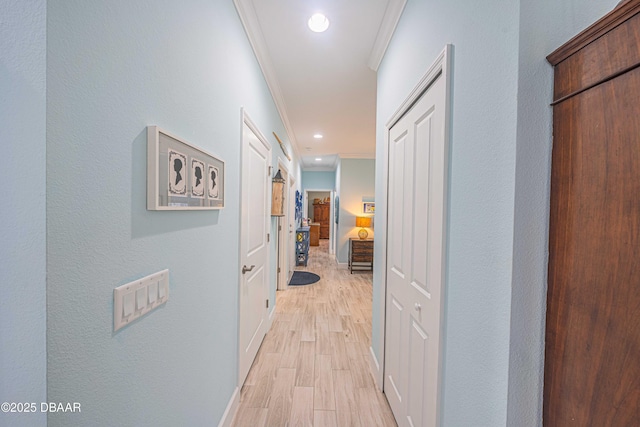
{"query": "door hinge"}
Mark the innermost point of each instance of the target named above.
(270, 170)
(279, 228)
(278, 269)
(267, 303)
(268, 237)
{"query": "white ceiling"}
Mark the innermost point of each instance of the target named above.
(323, 82)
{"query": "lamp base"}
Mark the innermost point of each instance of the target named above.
(362, 234)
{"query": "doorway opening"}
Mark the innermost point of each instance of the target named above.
(318, 206)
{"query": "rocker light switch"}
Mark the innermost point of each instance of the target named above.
(127, 304)
(139, 297)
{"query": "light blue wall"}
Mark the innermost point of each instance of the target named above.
(477, 306)
(22, 216)
(114, 68)
(498, 197)
(312, 180)
(544, 26)
(357, 181)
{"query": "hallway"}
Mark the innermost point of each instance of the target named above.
(313, 366)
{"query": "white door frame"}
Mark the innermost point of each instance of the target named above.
(441, 66)
(291, 226)
(331, 212)
(284, 246)
(246, 120)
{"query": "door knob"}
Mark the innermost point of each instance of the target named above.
(245, 269)
(417, 307)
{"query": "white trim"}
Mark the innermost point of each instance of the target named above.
(441, 66)
(332, 195)
(282, 248)
(245, 119)
(230, 411)
(375, 367)
(249, 19)
(342, 265)
(385, 33)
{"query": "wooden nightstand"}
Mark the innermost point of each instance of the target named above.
(360, 254)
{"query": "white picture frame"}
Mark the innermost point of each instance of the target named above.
(179, 174)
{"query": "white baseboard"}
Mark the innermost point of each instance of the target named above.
(232, 407)
(272, 314)
(375, 368)
(341, 265)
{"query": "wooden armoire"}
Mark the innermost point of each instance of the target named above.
(592, 355)
(321, 214)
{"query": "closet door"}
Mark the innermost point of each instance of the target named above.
(592, 363)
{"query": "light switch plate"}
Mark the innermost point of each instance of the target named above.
(137, 298)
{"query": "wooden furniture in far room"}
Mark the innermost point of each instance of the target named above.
(321, 214)
(302, 246)
(360, 254)
(314, 234)
(592, 347)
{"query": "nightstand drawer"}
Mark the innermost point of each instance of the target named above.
(362, 245)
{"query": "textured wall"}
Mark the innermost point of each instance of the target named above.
(544, 26)
(357, 181)
(22, 216)
(312, 180)
(499, 189)
(113, 68)
(481, 189)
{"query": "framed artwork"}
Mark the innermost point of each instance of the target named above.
(181, 176)
(369, 207)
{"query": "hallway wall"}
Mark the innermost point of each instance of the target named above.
(498, 191)
(23, 224)
(113, 68)
(357, 182)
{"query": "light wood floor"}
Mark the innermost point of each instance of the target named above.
(313, 366)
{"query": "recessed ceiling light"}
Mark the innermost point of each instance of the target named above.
(317, 136)
(318, 23)
(318, 159)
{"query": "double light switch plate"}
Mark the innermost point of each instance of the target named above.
(139, 297)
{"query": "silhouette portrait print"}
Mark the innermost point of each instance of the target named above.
(177, 166)
(198, 175)
(197, 178)
(213, 179)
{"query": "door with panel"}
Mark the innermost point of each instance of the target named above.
(418, 156)
(254, 246)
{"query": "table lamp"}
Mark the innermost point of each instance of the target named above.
(363, 222)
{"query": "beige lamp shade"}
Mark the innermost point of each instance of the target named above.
(363, 221)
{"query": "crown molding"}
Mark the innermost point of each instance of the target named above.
(387, 28)
(249, 19)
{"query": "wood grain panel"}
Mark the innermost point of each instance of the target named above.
(592, 363)
(597, 61)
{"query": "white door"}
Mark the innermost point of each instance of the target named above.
(415, 270)
(254, 246)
